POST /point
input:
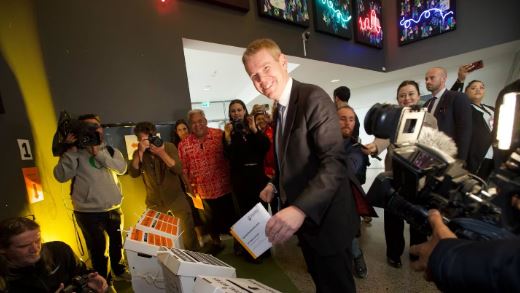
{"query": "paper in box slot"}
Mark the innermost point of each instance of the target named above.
(210, 284)
(180, 267)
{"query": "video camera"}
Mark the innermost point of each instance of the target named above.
(86, 134)
(425, 176)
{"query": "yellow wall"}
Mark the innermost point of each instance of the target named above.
(19, 44)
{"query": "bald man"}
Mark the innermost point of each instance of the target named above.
(452, 110)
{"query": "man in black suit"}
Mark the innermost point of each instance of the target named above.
(452, 110)
(311, 174)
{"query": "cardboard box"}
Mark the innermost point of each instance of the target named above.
(210, 284)
(181, 267)
(141, 253)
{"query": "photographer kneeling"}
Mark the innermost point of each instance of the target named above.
(27, 265)
(462, 265)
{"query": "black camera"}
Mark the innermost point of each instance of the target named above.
(155, 140)
(86, 134)
(79, 284)
(239, 126)
(425, 176)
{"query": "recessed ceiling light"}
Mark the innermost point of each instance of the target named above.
(207, 88)
(334, 80)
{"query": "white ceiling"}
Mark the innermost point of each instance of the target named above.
(215, 71)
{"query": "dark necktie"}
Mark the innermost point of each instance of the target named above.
(279, 134)
(279, 130)
(430, 105)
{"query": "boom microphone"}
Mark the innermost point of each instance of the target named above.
(437, 139)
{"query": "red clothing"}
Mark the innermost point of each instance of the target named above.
(269, 166)
(204, 164)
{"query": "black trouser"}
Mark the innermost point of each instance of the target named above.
(394, 228)
(331, 273)
(219, 215)
(94, 226)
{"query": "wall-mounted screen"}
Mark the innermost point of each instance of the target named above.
(369, 29)
(333, 17)
(421, 19)
(294, 11)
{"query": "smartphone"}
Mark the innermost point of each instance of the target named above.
(476, 65)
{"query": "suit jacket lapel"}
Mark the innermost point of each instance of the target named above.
(443, 101)
(289, 120)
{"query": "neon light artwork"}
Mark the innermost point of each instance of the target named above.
(370, 23)
(426, 14)
(338, 15)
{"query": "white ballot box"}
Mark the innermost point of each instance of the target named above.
(161, 224)
(249, 231)
(141, 253)
(181, 267)
(209, 284)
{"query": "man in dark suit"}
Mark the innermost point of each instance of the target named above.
(452, 110)
(311, 174)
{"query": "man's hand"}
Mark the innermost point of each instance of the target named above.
(369, 149)
(158, 151)
(424, 250)
(515, 201)
(97, 283)
(267, 193)
(463, 71)
(284, 224)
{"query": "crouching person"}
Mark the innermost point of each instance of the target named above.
(27, 265)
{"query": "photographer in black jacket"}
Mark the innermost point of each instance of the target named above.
(27, 265)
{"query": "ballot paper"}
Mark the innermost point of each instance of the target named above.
(250, 231)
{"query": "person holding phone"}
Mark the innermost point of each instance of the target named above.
(464, 70)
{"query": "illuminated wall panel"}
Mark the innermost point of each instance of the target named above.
(421, 19)
(333, 17)
(369, 30)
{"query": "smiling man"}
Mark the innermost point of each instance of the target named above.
(311, 174)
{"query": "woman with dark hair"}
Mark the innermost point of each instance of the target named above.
(480, 156)
(245, 147)
(180, 131)
(407, 95)
(27, 265)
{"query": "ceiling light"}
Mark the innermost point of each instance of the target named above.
(207, 88)
(334, 80)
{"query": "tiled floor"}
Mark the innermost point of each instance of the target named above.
(381, 277)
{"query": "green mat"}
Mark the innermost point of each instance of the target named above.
(268, 272)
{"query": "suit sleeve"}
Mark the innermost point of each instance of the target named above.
(462, 118)
(326, 141)
(486, 266)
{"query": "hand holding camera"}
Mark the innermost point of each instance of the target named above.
(424, 250)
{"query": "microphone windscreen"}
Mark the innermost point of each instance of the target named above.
(437, 139)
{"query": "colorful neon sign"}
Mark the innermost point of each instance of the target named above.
(370, 23)
(338, 15)
(426, 14)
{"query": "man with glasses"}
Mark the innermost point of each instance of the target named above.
(96, 197)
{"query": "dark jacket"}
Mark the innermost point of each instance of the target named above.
(458, 265)
(58, 264)
(453, 115)
(481, 138)
(313, 175)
